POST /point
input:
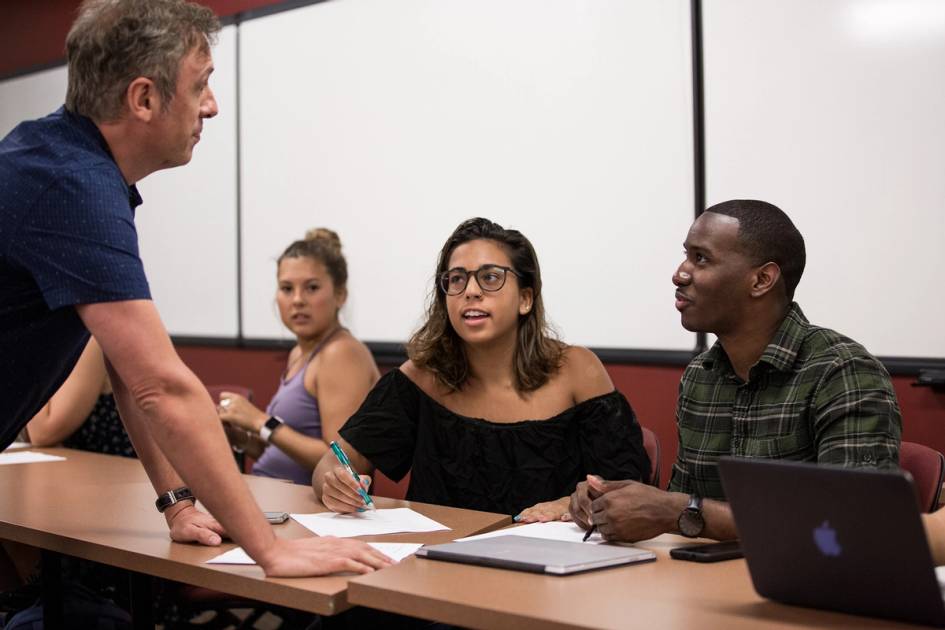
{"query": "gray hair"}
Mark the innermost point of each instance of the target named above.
(113, 42)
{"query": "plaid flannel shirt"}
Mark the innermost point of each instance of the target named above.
(814, 395)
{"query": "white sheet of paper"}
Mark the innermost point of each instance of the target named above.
(553, 530)
(17, 445)
(233, 556)
(371, 523)
(28, 457)
(394, 551)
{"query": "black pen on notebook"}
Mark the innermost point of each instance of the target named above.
(589, 532)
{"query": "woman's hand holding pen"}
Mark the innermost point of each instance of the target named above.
(340, 491)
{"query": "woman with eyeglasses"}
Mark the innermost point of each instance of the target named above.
(491, 412)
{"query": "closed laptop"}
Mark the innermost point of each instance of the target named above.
(536, 555)
(834, 538)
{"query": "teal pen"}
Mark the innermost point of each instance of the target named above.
(343, 460)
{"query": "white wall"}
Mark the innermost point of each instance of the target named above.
(187, 224)
(835, 111)
(31, 96)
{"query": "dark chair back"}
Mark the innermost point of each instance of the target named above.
(927, 467)
(245, 464)
(216, 390)
(384, 486)
(651, 444)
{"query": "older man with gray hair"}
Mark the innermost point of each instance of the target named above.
(137, 99)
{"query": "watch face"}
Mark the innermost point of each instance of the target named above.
(691, 523)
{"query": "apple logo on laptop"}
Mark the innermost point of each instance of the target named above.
(825, 538)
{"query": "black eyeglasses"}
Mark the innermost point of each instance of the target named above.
(489, 278)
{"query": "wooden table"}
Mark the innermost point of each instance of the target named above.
(101, 508)
(667, 593)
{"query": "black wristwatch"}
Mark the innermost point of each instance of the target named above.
(690, 522)
(171, 497)
(266, 430)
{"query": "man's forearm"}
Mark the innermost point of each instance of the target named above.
(719, 522)
(935, 532)
(193, 451)
(162, 475)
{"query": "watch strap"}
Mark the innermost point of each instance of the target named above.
(695, 503)
(267, 429)
(171, 497)
(691, 522)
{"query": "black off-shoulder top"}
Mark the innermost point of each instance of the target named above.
(495, 467)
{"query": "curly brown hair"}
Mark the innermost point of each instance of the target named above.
(438, 348)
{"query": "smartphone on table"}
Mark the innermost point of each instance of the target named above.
(708, 552)
(276, 517)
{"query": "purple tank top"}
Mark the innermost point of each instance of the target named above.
(299, 410)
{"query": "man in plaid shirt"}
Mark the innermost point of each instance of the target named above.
(772, 386)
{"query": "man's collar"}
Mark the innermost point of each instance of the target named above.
(784, 346)
(87, 126)
(781, 351)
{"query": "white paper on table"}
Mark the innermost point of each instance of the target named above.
(233, 556)
(370, 523)
(16, 445)
(28, 457)
(394, 551)
(552, 530)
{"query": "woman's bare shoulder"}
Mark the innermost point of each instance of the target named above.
(343, 353)
(424, 379)
(584, 373)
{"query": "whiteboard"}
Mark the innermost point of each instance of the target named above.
(187, 223)
(391, 122)
(834, 112)
(31, 96)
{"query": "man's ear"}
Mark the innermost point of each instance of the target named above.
(142, 99)
(765, 278)
(526, 298)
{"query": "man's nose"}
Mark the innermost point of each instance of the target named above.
(209, 109)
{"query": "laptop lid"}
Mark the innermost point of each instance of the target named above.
(835, 538)
(536, 555)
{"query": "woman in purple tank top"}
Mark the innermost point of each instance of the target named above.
(327, 376)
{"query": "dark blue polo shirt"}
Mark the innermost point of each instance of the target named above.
(67, 237)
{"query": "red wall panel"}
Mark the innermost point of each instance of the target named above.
(651, 391)
(34, 33)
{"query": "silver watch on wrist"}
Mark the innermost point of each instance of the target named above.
(266, 430)
(691, 523)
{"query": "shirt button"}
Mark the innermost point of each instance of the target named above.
(868, 458)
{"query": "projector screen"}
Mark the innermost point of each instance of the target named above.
(834, 112)
(391, 122)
